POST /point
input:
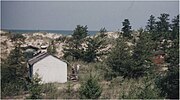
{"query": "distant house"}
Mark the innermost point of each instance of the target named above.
(29, 48)
(48, 67)
(159, 57)
(159, 60)
(29, 51)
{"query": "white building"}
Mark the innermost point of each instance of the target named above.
(48, 67)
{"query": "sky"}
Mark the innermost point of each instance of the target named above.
(65, 15)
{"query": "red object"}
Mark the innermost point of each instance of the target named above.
(158, 59)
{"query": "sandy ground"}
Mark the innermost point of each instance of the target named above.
(39, 39)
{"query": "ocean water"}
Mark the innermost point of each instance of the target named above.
(64, 32)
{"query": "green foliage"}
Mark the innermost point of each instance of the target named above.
(13, 72)
(28, 55)
(147, 90)
(103, 30)
(51, 48)
(175, 27)
(12, 88)
(35, 87)
(119, 59)
(69, 87)
(73, 51)
(88, 52)
(150, 91)
(169, 84)
(126, 28)
(135, 62)
(163, 24)
(160, 28)
(69, 90)
(141, 55)
(151, 24)
(49, 88)
(50, 91)
(90, 89)
(80, 32)
(92, 51)
(17, 37)
(61, 38)
(74, 48)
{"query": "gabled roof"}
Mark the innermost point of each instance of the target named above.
(37, 58)
(159, 52)
(30, 46)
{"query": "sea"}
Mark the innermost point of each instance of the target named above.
(64, 32)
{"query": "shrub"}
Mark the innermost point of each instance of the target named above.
(90, 89)
(13, 71)
(12, 88)
(17, 37)
(131, 61)
(50, 90)
(146, 89)
(35, 88)
(150, 91)
(52, 48)
(119, 60)
(169, 84)
(93, 49)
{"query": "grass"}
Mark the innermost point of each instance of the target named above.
(116, 88)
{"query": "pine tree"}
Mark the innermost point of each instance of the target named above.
(132, 64)
(126, 28)
(16, 62)
(94, 45)
(80, 32)
(175, 27)
(141, 55)
(169, 84)
(151, 24)
(103, 30)
(163, 27)
(163, 24)
(90, 89)
(119, 59)
(74, 48)
(13, 72)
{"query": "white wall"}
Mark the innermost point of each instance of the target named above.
(51, 69)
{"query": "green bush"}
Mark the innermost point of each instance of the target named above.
(150, 90)
(35, 87)
(12, 88)
(50, 91)
(17, 37)
(131, 61)
(90, 89)
(52, 48)
(146, 89)
(169, 84)
(13, 72)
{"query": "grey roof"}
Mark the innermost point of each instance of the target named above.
(30, 47)
(37, 58)
(159, 52)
